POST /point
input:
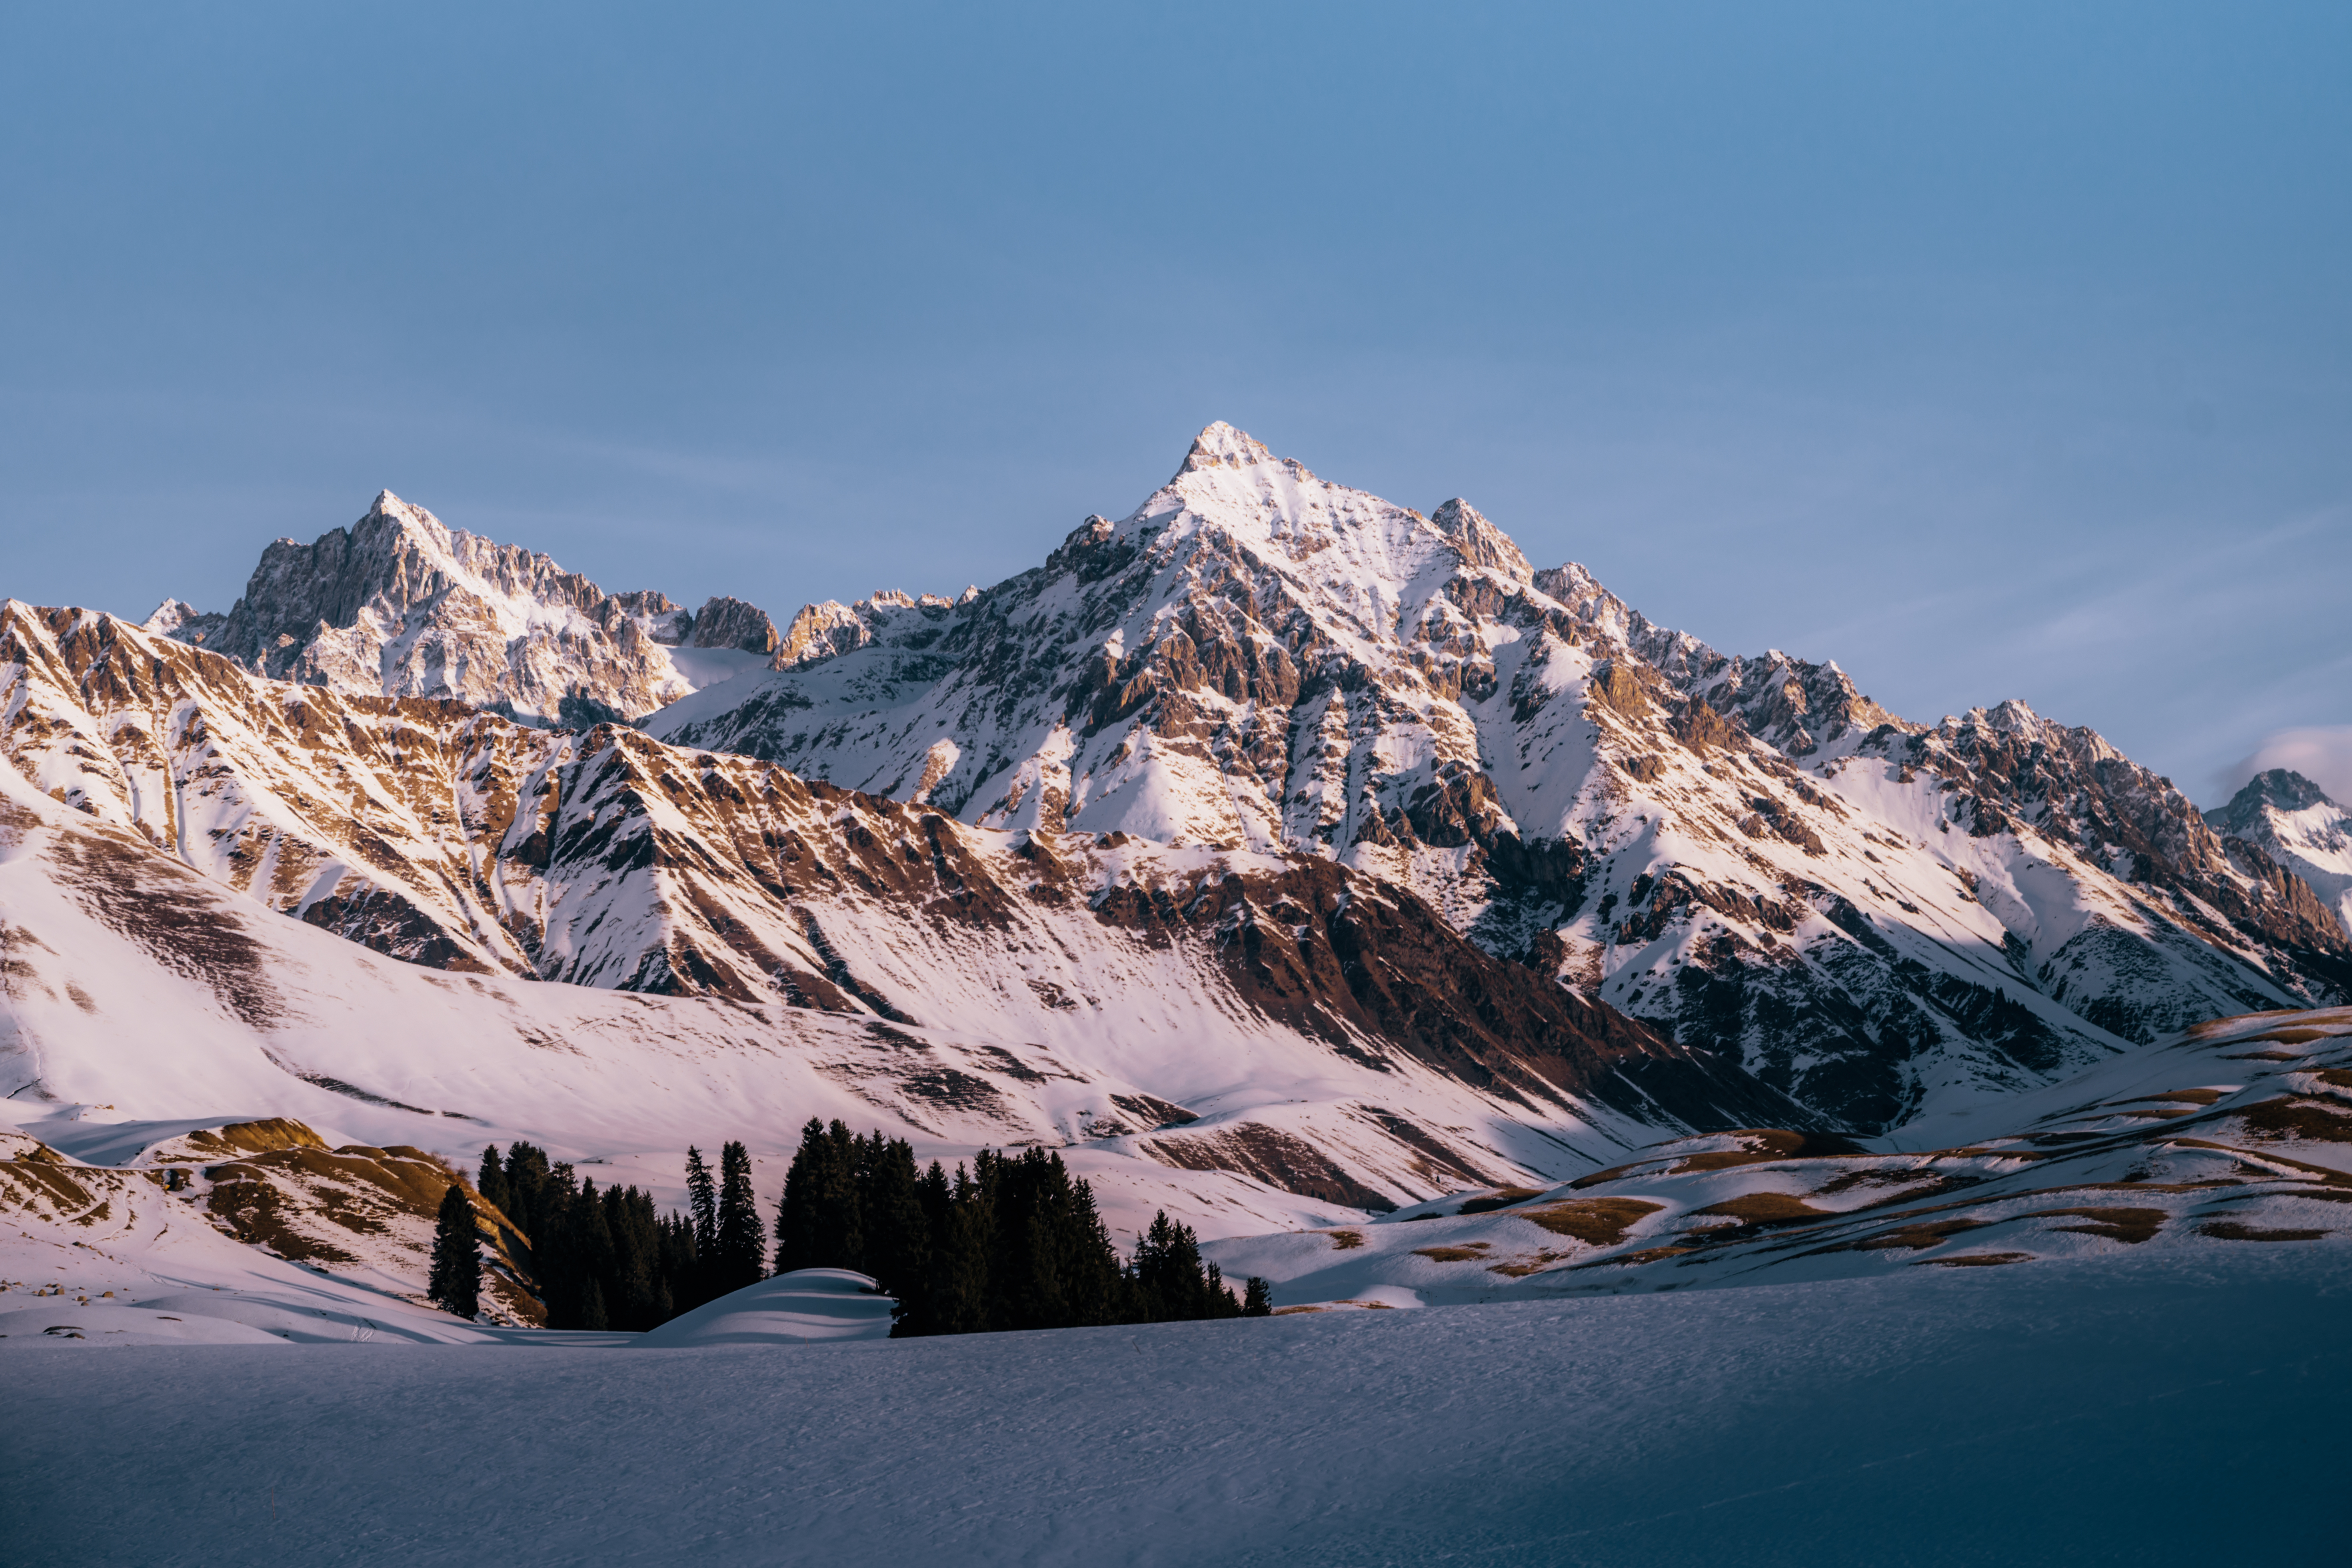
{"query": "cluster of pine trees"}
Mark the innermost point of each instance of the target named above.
(607, 1259)
(1014, 1243)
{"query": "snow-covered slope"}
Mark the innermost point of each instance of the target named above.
(2237, 1136)
(2291, 820)
(808, 1306)
(399, 604)
(2146, 1409)
(1876, 916)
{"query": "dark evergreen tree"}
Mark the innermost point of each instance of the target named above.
(1257, 1298)
(895, 1231)
(738, 1250)
(681, 1267)
(815, 1184)
(1171, 1281)
(636, 1297)
(592, 1308)
(454, 1284)
(960, 1265)
(492, 1182)
(702, 1200)
(529, 1203)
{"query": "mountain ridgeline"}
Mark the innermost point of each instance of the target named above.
(1872, 916)
(1275, 847)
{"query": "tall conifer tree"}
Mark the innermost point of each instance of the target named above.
(454, 1284)
(702, 1199)
(739, 1250)
(492, 1182)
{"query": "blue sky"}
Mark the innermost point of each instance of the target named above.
(1992, 351)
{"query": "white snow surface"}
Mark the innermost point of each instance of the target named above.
(2156, 1410)
(808, 1306)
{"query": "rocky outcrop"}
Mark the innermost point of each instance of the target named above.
(723, 622)
(2289, 823)
(399, 604)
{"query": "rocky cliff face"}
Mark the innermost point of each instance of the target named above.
(168, 788)
(1877, 917)
(2284, 820)
(399, 604)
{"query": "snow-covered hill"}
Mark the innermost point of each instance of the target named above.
(399, 604)
(2235, 1137)
(2292, 820)
(1880, 917)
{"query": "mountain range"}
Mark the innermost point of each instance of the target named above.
(1281, 854)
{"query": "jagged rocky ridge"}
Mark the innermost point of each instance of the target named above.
(399, 604)
(2287, 819)
(1876, 916)
(1271, 1014)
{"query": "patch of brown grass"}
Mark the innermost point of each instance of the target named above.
(2132, 1226)
(2293, 1118)
(1913, 1237)
(1520, 1267)
(1764, 1209)
(1344, 1239)
(1597, 1222)
(207, 1144)
(1500, 1198)
(2230, 1230)
(1647, 1255)
(1469, 1252)
(2326, 1174)
(24, 1181)
(1974, 1260)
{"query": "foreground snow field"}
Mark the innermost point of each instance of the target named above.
(2148, 1410)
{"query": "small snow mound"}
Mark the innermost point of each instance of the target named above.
(806, 1306)
(93, 1323)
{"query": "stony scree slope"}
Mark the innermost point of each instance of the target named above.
(399, 604)
(1875, 916)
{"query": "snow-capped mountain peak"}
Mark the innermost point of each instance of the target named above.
(401, 604)
(1220, 446)
(1875, 915)
(2293, 821)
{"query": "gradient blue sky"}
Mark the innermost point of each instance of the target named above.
(1990, 350)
